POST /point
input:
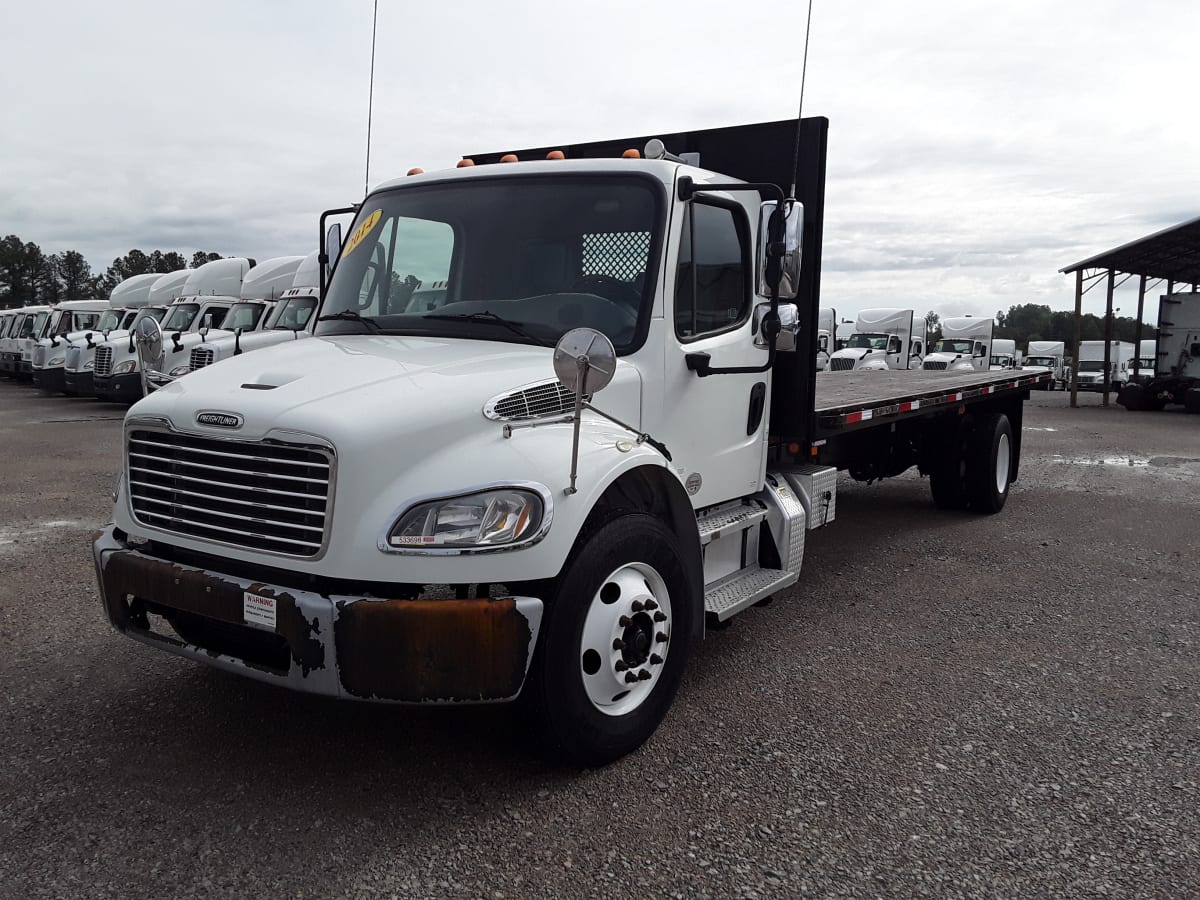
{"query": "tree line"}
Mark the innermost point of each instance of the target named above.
(28, 275)
(1027, 322)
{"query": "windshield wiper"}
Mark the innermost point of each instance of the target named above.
(489, 318)
(350, 315)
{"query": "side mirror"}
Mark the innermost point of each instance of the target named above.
(789, 326)
(333, 245)
(149, 339)
(789, 282)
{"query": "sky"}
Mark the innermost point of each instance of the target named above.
(975, 148)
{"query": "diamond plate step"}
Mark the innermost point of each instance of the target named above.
(729, 597)
(729, 520)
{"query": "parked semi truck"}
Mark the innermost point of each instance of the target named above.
(882, 339)
(1177, 360)
(1048, 357)
(10, 325)
(965, 346)
(204, 299)
(609, 436)
(1004, 355)
(27, 330)
(137, 297)
(1092, 375)
(70, 322)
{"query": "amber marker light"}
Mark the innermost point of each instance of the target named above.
(509, 157)
(465, 163)
(556, 154)
(631, 154)
(416, 171)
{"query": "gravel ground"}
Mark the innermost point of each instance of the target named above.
(946, 706)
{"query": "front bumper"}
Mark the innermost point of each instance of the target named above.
(408, 651)
(52, 380)
(78, 383)
(125, 388)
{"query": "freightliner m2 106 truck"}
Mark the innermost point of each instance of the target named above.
(607, 436)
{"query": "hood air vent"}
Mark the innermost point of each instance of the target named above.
(533, 401)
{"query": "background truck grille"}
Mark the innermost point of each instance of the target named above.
(549, 398)
(103, 365)
(256, 494)
(201, 357)
(840, 364)
(931, 364)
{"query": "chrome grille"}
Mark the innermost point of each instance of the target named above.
(201, 357)
(840, 364)
(72, 358)
(103, 365)
(39, 356)
(261, 495)
(548, 398)
(931, 364)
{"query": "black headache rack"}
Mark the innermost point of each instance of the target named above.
(759, 152)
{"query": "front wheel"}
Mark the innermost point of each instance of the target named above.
(614, 643)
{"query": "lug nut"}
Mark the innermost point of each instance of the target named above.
(623, 621)
(655, 659)
(618, 644)
(651, 605)
(636, 606)
(644, 675)
(660, 638)
(660, 617)
(630, 678)
(620, 665)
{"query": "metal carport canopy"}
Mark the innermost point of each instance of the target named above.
(1172, 255)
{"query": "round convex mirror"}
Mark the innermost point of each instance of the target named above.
(588, 353)
(149, 344)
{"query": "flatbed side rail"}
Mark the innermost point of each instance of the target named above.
(845, 417)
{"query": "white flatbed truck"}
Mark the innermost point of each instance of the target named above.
(610, 434)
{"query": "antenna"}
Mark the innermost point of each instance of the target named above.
(371, 98)
(800, 111)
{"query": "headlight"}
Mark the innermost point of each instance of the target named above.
(487, 519)
(125, 365)
(57, 361)
(90, 364)
(179, 370)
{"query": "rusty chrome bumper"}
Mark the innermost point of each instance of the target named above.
(407, 651)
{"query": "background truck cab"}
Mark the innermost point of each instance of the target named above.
(965, 346)
(882, 339)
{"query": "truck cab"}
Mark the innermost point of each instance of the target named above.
(1048, 357)
(1092, 375)
(965, 346)
(72, 320)
(882, 339)
(1004, 355)
(26, 332)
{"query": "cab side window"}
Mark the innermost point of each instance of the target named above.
(712, 285)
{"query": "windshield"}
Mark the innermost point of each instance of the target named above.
(109, 320)
(39, 322)
(1048, 361)
(949, 346)
(1146, 362)
(295, 313)
(1004, 360)
(868, 341)
(58, 318)
(461, 260)
(241, 315)
(181, 316)
(1091, 365)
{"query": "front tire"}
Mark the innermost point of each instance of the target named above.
(615, 641)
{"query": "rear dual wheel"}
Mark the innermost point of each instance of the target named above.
(975, 470)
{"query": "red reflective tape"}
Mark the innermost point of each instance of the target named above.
(853, 417)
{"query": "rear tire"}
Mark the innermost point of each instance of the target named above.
(990, 464)
(577, 694)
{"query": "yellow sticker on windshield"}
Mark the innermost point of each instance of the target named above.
(361, 232)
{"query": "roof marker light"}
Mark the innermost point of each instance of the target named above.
(465, 163)
(509, 157)
(556, 154)
(631, 154)
(416, 171)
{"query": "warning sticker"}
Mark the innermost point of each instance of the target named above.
(258, 610)
(361, 232)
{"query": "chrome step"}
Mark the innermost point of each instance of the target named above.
(729, 520)
(727, 598)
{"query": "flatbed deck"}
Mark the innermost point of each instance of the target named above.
(861, 399)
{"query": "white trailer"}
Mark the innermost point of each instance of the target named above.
(609, 435)
(1091, 375)
(1177, 358)
(965, 346)
(1048, 357)
(882, 339)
